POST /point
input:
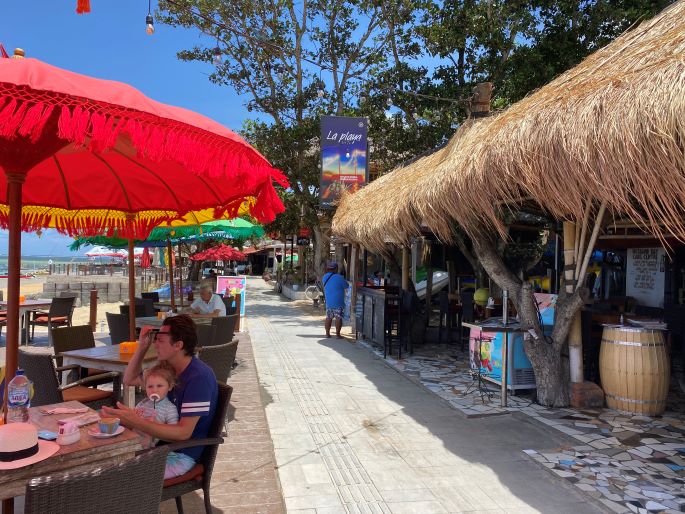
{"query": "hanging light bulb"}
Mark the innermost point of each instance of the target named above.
(347, 154)
(216, 56)
(322, 86)
(39, 232)
(362, 99)
(321, 92)
(388, 102)
(149, 21)
(149, 25)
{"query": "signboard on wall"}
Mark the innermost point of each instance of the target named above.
(343, 157)
(233, 286)
(646, 275)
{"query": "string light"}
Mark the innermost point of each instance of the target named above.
(321, 91)
(149, 21)
(216, 54)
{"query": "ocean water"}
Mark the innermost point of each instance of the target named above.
(40, 262)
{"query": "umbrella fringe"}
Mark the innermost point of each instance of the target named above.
(199, 152)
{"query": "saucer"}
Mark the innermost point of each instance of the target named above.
(96, 433)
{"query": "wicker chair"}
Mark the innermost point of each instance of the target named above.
(152, 295)
(76, 337)
(134, 485)
(200, 476)
(220, 358)
(40, 369)
(59, 315)
(118, 327)
(223, 329)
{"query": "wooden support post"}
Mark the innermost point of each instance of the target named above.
(237, 311)
(354, 266)
(170, 253)
(131, 293)
(429, 278)
(405, 268)
(575, 341)
(93, 309)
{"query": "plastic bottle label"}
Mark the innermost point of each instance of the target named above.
(18, 397)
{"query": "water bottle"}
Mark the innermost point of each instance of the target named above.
(18, 398)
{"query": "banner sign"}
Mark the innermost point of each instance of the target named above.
(646, 275)
(232, 286)
(343, 157)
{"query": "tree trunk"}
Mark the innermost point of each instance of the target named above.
(544, 352)
(321, 240)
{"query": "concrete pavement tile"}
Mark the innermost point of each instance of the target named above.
(315, 501)
(424, 507)
(408, 495)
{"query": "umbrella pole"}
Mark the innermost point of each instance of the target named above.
(131, 292)
(180, 274)
(14, 186)
(171, 275)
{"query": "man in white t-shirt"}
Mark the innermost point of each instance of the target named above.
(208, 304)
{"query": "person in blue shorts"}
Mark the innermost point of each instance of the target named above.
(334, 286)
(194, 395)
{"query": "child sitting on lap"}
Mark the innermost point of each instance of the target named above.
(159, 380)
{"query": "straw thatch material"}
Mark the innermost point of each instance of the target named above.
(382, 211)
(610, 130)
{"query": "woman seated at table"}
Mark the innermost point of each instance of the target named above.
(195, 394)
(208, 304)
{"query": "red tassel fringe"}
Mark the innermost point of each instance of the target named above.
(83, 6)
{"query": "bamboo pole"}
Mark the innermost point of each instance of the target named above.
(405, 268)
(593, 240)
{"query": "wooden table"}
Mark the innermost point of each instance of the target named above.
(154, 321)
(80, 456)
(25, 308)
(108, 358)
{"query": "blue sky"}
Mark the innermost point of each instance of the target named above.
(111, 43)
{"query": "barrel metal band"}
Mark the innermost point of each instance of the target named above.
(631, 400)
(631, 343)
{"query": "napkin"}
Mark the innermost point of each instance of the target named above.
(65, 410)
(83, 419)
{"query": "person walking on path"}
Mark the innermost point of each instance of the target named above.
(334, 286)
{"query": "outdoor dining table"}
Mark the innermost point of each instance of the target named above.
(108, 358)
(82, 455)
(25, 309)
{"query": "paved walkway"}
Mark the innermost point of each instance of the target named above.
(352, 435)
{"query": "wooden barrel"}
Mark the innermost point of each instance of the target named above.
(634, 368)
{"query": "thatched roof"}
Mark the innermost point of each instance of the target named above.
(611, 129)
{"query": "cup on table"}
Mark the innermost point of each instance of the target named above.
(108, 425)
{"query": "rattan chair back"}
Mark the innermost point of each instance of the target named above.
(118, 327)
(134, 485)
(220, 358)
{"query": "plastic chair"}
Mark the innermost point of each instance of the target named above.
(200, 476)
(228, 302)
(118, 327)
(447, 316)
(40, 369)
(392, 322)
(59, 315)
(134, 485)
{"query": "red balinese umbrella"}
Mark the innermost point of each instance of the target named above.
(70, 143)
(219, 253)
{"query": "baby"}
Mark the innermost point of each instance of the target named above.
(159, 380)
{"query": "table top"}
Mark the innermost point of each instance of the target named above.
(154, 321)
(496, 325)
(38, 302)
(87, 452)
(108, 354)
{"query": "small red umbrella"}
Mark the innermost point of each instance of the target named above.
(219, 253)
